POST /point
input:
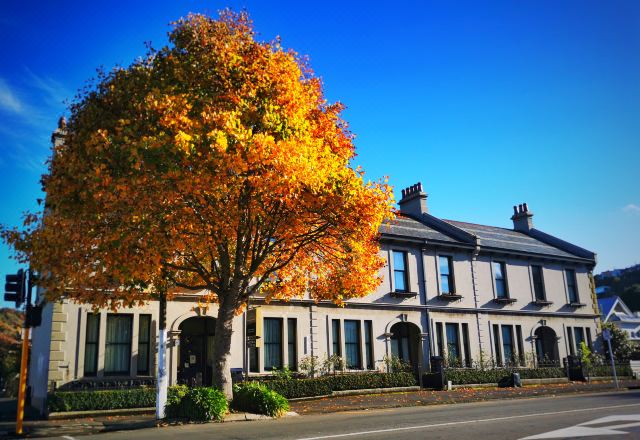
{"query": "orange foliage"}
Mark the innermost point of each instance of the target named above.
(212, 164)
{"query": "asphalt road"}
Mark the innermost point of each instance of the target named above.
(594, 416)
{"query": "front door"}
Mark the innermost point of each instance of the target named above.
(195, 363)
(405, 344)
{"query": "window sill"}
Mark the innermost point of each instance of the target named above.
(542, 302)
(577, 305)
(450, 297)
(504, 300)
(403, 294)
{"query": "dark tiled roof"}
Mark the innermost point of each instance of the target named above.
(508, 239)
(409, 227)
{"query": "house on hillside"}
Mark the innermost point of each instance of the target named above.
(613, 309)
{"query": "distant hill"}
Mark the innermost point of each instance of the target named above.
(624, 283)
(10, 327)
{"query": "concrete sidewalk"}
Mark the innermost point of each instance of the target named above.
(94, 425)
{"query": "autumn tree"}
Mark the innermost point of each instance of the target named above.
(213, 164)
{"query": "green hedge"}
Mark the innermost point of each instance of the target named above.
(295, 388)
(97, 400)
(256, 398)
(322, 386)
(605, 370)
(361, 381)
(541, 373)
(471, 376)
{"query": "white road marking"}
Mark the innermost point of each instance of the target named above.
(463, 422)
(584, 430)
(68, 437)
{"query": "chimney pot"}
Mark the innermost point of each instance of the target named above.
(522, 218)
(414, 200)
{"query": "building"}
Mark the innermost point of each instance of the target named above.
(614, 310)
(463, 291)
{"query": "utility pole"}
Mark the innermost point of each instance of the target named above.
(162, 382)
(606, 335)
(17, 291)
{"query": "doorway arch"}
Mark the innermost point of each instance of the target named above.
(405, 343)
(195, 360)
(546, 346)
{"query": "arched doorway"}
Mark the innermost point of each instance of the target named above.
(546, 346)
(405, 343)
(195, 363)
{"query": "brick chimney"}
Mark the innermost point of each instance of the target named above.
(522, 218)
(414, 200)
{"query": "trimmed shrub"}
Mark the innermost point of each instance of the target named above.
(605, 370)
(201, 404)
(255, 397)
(496, 375)
(323, 386)
(295, 388)
(541, 373)
(361, 381)
(61, 401)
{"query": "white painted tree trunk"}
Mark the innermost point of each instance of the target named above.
(161, 389)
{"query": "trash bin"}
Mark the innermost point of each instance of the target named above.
(515, 380)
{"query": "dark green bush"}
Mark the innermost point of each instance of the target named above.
(295, 388)
(98, 400)
(323, 386)
(256, 398)
(343, 382)
(541, 373)
(464, 376)
(173, 407)
(605, 370)
(201, 404)
(471, 376)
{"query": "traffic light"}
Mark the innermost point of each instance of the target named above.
(15, 288)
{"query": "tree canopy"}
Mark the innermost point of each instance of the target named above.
(216, 160)
(215, 164)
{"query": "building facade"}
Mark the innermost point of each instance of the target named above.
(469, 293)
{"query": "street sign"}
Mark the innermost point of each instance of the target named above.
(251, 341)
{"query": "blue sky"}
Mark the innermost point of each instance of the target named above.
(488, 104)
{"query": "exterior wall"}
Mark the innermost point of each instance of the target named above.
(482, 337)
(462, 275)
(313, 335)
(60, 346)
(415, 277)
(520, 285)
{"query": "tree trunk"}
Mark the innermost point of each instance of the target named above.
(222, 349)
